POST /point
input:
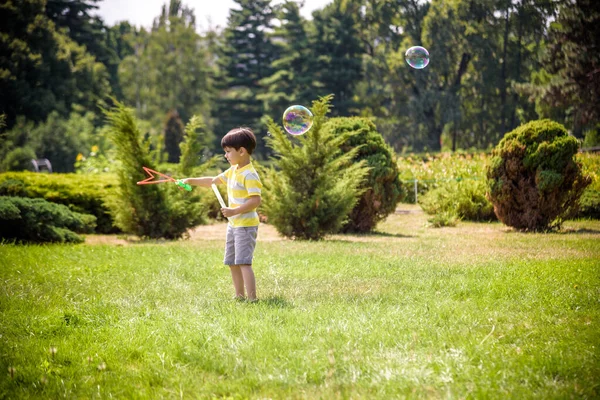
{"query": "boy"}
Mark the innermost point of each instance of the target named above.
(243, 195)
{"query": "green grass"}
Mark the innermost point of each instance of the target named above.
(476, 311)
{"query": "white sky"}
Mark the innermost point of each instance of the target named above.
(143, 12)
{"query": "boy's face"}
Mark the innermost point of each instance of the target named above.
(234, 156)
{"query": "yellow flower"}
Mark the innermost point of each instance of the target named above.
(79, 157)
(95, 148)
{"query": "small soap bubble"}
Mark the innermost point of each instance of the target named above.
(297, 120)
(417, 57)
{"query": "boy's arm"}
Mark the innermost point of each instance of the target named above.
(204, 181)
(250, 204)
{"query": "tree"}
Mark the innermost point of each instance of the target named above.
(74, 16)
(245, 60)
(338, 53)
(293, 80)
(150, 211)
(572, 63)
(195, 146)
(43, 69)
(314, 186)
(169, 68)
(173, 136)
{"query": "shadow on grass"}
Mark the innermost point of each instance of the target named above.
(375, 234)
(275, 302)
(578, 231)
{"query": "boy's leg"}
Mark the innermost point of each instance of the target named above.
(238, 280)
(249, 280)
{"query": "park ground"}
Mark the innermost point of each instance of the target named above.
(473, 311)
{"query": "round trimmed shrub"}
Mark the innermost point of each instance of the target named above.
(534, 180)
(382, 188)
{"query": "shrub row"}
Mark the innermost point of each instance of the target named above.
(85, 194)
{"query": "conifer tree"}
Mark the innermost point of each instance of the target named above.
(148, 211)
(245, 59)
(195, 146)
(293, 79)
(314, 185)
(173, 136)
(338, 53)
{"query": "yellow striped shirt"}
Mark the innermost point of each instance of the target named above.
(242, 183)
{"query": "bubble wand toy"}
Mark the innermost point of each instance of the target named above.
(166, 178)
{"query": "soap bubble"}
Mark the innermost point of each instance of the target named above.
(297, 120)
(417, 57)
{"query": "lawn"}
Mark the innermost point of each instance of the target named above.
(475, 311)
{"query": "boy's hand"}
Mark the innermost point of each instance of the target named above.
(228, 212)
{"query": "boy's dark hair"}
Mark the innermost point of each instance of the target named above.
(240, 137)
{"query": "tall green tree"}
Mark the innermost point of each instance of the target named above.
(173, 136)
(570, 80)
(43, 70)
(338, 53)
(76, 19)
(246, 58)
(293, 80)
(168, 69)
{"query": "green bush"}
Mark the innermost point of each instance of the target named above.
(433, 170)
(18, 159)
(589, 203)
(534, 179)
(148, 211)
(86, 194)
(592, 137)
(382, 188)
(314, 186)
(465, 199)
(39, 221)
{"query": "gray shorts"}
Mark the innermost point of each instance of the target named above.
(239, 245)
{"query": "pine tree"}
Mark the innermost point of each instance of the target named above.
(314, 185)
(173, 136)
(195, 146)
(148, 211)
(246, 58)
(338, 53)
(293, 80)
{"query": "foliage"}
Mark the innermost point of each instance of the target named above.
(465, 200)
(173, 134)
(86, 194)
(293, 79)
(592, 137)
(195, 147)
(382, 189)
(43, 70)
(18, 159)
(149, 211)
(534, 180)
(571, 64)
(94, 163)
(168, 69)
(433, 170)
(245, 58)
(314, 186)
(61, 140)
(589, 203)
(338, 53)
(39, 221)
(443, 219)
